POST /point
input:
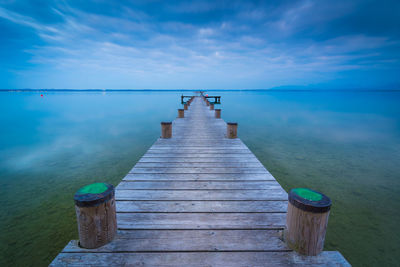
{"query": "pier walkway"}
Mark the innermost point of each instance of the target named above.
(198, 199)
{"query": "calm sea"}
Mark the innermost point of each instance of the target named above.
(345, 144)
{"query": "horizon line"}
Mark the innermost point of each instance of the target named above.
(191, 90)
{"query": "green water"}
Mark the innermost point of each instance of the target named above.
(344, 144)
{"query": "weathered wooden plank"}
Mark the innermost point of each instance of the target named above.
(184, 153)
(166, 147)
(198, 151)
(198, 176)
(199, 165)
(235, 146)
(199, 155)
(201, 206)
(195, 133)
(227, 160)
(241, 185)
(201, 142)
(197, 259)
(166, 170)
(268, 194)
(198, 142)
(189, 240)
(212, 220)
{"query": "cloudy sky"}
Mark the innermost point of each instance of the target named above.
(199, 44)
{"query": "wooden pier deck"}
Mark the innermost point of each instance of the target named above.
(198, 199)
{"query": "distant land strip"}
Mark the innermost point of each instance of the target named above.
(191, 90)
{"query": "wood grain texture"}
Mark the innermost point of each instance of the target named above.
(201, 259)
(228, 194)
(169, 164)
(199, 176)
(202, 170)
(166, 130)
(305, 231)
(225, 160)
(201, 206)
(201, 220)
(97, 225)
(195, 185)
(189, 240)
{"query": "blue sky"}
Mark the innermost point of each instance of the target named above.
(199, 44)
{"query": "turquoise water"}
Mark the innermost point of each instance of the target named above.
(345, 144)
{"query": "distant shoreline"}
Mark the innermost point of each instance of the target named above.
(191, 90)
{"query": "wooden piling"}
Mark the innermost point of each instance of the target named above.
(185, 106)
(218, 113)
(166, 129)
(211, 106)
(181, 113)
(95, 213)
(231, 130)
(306, 221)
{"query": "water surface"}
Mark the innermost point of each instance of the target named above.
(345, 144)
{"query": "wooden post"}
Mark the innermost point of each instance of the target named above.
(231, 130)
(211, 106)
(207, 102)
(217, 113)
(96, 216)
(185, 106)
(166, 129)
(306, 221)
(181, 113)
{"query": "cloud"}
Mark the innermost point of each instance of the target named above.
(235, 44)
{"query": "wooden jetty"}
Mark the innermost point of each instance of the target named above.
(217, 99)
(198, 199)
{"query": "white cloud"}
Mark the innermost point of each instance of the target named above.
(90, 50)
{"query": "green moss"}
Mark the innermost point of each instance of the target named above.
(307, 194)
(96, 188)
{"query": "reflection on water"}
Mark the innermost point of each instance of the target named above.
(346, 145)
(52, 145)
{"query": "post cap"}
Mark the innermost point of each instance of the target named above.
(217, 109)
(93, 194)
(309, 200)
(232, 123)
(180, 109)
(166, 123)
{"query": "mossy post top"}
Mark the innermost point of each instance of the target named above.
(309, 200)
(93, 194)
